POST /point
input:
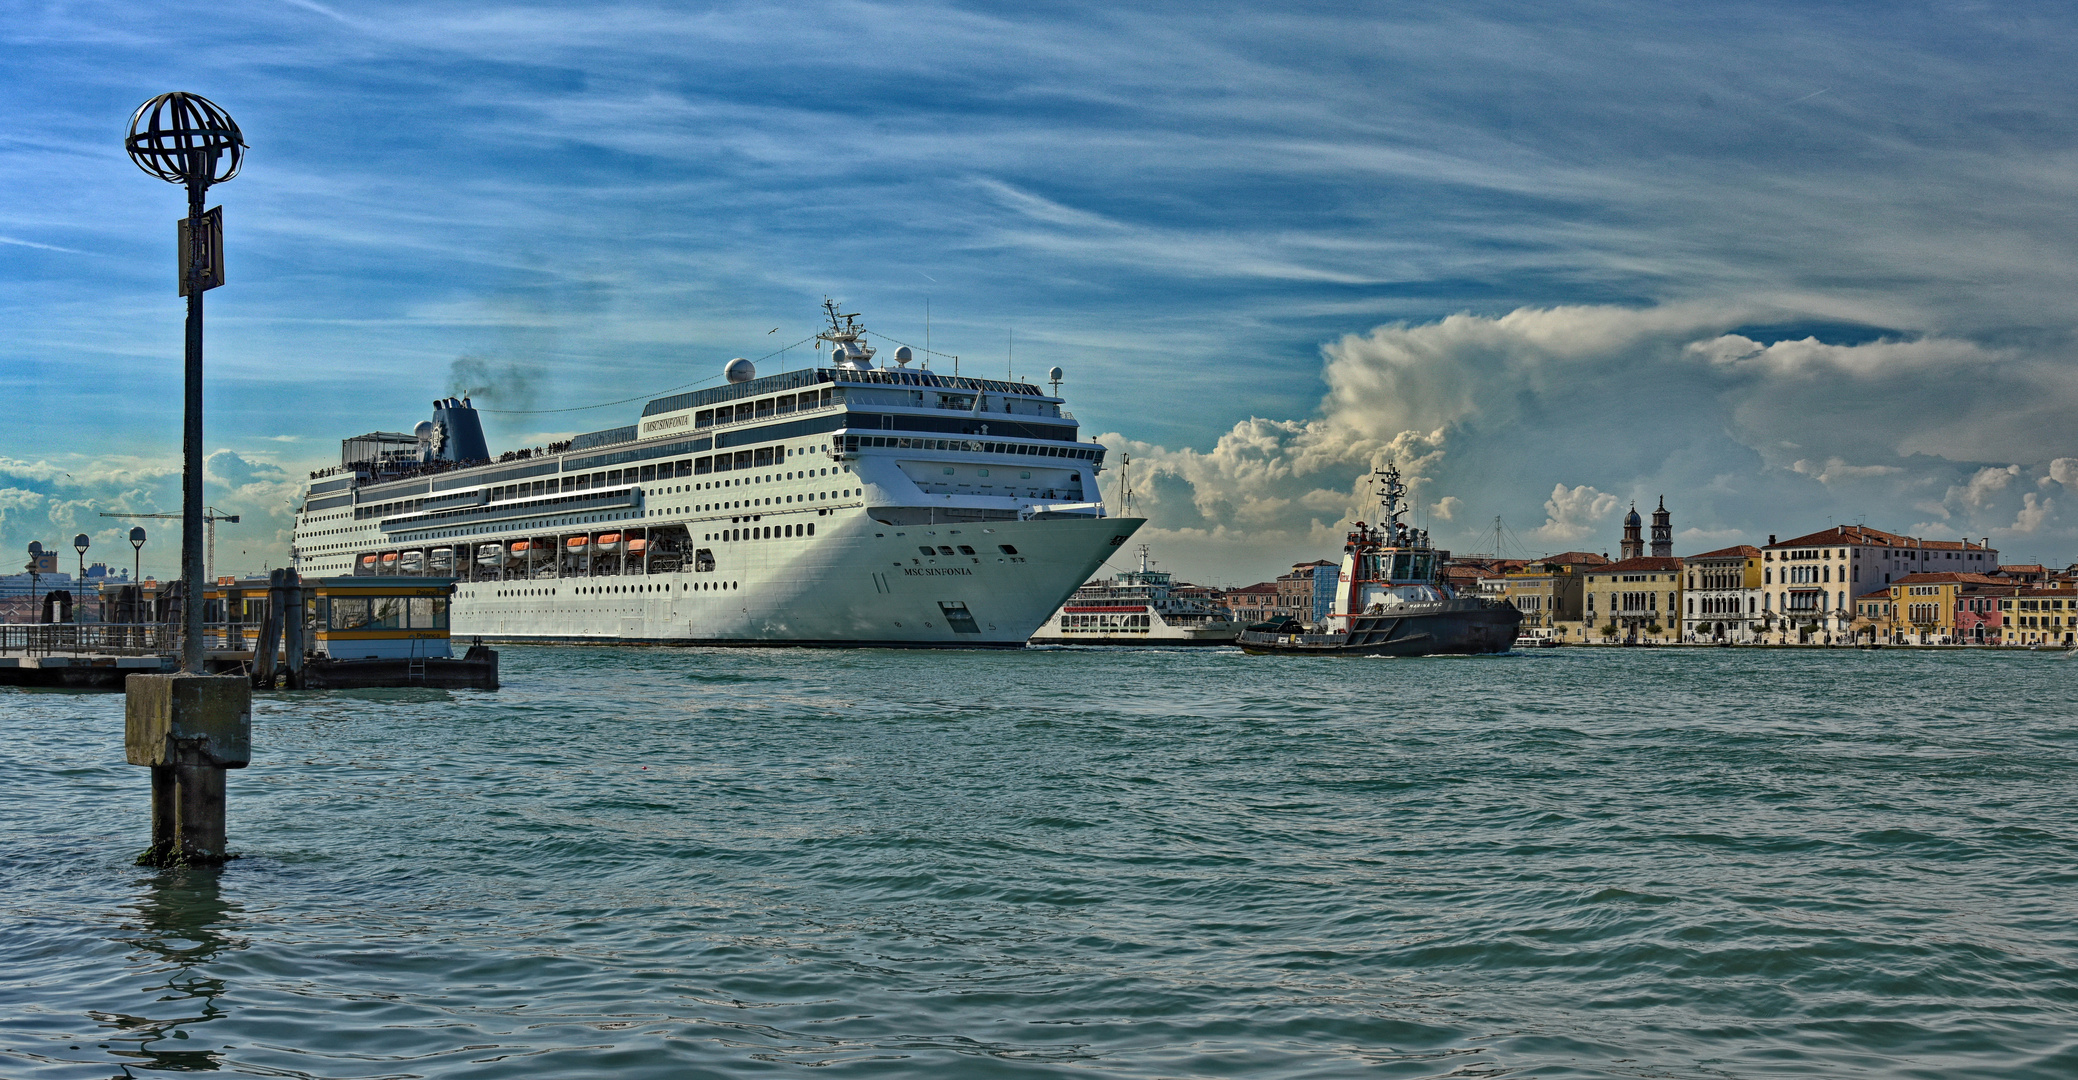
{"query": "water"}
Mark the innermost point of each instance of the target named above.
(1140, 864)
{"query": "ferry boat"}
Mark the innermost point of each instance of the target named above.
(1392, 600)
(845, 504)
(1139, 607)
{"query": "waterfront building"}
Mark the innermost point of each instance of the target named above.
(1255, 603)
(1308, 592)
(1722, 598)
(1550, 591)
(1808, 582)
(1945, 608)
(2040, 616)
(1633, 600)
(43, 582)
(1873, 616)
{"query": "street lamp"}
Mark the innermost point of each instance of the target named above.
(35, 565)
(186, 139)
(137, 546)
(80, 544)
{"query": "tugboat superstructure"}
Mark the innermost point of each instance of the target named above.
(842, 504)
(1139, 607)
(1391, 600)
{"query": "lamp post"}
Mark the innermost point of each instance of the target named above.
(80, 543)
(35, 565)
(137, 567)
(186, 139)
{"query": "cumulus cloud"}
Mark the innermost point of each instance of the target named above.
(1571, 514)
(1835, 471)
(2062, 471)
(2033, 514)
(1745, 438)
(1984, 487)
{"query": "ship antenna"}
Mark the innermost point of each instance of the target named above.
(1125, 482)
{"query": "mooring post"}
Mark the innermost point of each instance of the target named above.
(269, 638)
(187, 729)
(292, 618)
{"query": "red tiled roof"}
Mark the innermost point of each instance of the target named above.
(1259, 587)
(1948, 577)
(1862, 534)
(1644, 564)
(1575, 558)
(1740, 550)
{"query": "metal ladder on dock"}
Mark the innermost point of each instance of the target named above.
(416, 669)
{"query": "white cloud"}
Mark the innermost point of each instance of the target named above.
(2063, 471)
(1447, 507)
(1571, 514)
(2032, 514)
(1984, 487)
(1835, 471)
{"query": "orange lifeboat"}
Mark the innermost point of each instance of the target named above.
(389, 560)
(520, 548)
(368, 562)
(607, 542)
(637, 547)
(577, 545)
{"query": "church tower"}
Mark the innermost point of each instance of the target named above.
(1662, 531)
(1633, 544)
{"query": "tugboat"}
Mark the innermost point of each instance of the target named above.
(1391, 599)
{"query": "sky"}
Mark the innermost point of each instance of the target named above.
(1784, 265)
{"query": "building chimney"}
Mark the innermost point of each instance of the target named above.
(1771, 539)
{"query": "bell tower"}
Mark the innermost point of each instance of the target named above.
(1633, 544)
(1662, 532)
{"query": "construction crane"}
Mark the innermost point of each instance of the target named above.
(209, 519)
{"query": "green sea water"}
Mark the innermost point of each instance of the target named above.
(680, 863)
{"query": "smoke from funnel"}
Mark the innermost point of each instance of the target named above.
(493, 384)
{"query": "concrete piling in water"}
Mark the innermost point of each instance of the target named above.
(187, 729)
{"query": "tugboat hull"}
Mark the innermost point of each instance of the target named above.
(1456, 627)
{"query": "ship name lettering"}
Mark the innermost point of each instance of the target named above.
(667, 422)
(937, 571)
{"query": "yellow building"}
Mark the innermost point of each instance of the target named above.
(1550, 591)
(2040, 617)
(1633, 600)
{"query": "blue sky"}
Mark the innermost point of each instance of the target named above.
(1785, 264)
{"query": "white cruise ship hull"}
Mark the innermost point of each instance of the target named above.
(863, 583)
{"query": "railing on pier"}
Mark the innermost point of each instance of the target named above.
(102, 639)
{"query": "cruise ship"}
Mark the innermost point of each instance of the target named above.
(845, 504)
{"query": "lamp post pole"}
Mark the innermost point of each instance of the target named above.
(186, 139)
(80, 544)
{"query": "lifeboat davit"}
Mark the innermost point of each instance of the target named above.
(607, 543)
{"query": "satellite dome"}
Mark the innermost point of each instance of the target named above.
(423, 431)
(739, 370)
(903, 356)
(1053, 374)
